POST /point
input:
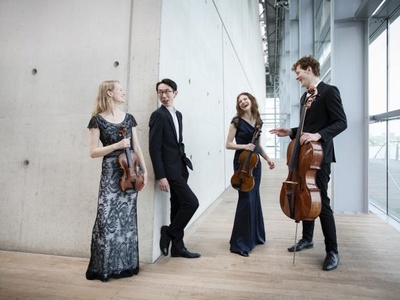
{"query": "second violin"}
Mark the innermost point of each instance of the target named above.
(243, 179)
(131, 180)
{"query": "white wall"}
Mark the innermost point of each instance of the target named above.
(349, 73)
(212, 49)
(49, 185)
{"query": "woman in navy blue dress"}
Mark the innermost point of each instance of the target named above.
(248, 228)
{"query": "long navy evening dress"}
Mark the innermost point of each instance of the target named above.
(248, 228)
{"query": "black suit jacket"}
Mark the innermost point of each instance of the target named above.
(326, 117)
(167, 154)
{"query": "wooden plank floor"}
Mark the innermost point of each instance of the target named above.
(369, 267)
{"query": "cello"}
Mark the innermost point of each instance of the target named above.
(300, 197)
(131, 180)
(243, 180)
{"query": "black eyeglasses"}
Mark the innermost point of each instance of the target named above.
(160, 93)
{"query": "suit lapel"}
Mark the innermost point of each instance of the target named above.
(179, 116)
(303, 99)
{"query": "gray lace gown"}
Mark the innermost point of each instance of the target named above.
(114, 246)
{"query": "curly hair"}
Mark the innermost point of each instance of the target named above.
(307, 61)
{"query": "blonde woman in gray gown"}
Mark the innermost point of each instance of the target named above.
(114, 247)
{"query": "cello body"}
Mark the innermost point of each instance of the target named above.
(300, 198)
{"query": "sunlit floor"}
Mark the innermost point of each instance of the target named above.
(369, 262)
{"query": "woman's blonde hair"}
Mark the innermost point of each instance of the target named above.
(254, 107)
(103, 100)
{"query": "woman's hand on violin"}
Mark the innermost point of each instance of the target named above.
(124, 143)
(249, 147)
(281, 132)
(309, 137)
(163, 184)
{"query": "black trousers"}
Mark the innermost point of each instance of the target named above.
(184, 204)
(326, 216)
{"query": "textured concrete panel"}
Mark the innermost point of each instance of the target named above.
(54, 55)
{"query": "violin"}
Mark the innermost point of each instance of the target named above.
(132, 179)
(300, 197)
(243, 180)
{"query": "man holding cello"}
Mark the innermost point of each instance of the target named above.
(323, 121)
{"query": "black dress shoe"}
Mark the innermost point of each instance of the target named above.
(302, 244)
(242, 253)
(331, 261)
(184, 253)
(164, 240)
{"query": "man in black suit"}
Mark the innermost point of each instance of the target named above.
(324, 120)
(170, 164)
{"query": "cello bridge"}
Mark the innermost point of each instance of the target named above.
(291, 182)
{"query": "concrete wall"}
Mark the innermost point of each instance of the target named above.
(54, 54)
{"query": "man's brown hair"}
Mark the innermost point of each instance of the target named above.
(308, 61)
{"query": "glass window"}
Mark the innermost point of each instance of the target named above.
(394, 169)
(377, 75)
(322, 32)
(377, 165)
(384, 136)
(272, 119)
(394, 65)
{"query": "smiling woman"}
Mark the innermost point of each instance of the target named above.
(248, 228)
(114, 246)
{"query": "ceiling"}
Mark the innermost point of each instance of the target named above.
(271, 13)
